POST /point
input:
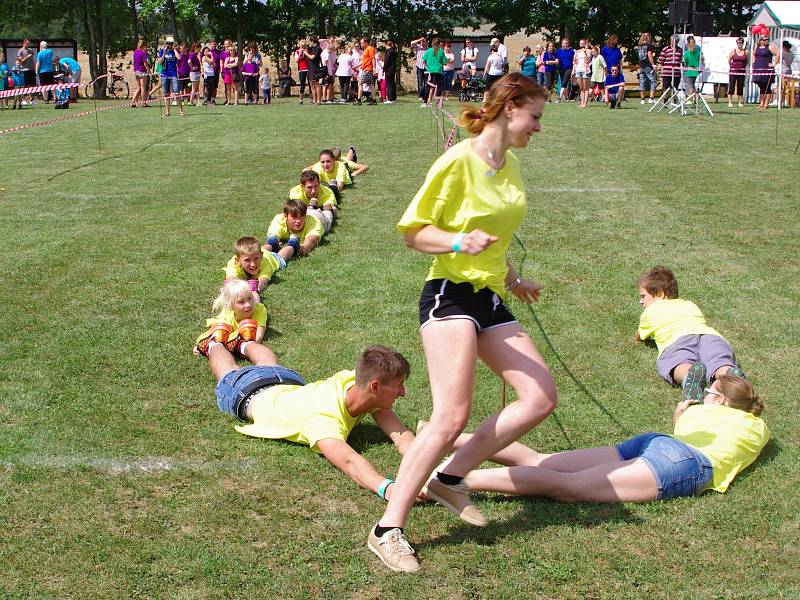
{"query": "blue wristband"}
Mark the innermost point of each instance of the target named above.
(382, 488)
(456, 243)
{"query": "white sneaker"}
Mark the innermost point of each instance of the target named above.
(642, 101)
(651, 101)
(24, 103)
(423, 105)
(394, 551)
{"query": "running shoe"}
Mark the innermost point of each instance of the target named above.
(694, 383)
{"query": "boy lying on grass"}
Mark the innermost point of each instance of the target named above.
(690, 353)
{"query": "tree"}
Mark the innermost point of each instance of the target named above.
(598, 19)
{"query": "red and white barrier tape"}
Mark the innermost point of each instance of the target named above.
(61, 118)
(36, 89)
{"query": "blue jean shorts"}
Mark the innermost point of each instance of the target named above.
(168, 83)
(679, 469)
(236, 386)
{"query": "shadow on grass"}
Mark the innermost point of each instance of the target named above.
(365, 436)
(535, 514)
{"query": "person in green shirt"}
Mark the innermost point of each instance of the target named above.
(691, 61)
(435, 61)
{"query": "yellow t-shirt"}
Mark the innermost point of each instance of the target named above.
(304, 414)
(459, 196)
(278, 227)
(226, 316)
(340, 173)
(325, 195)
(668, 319)
(731, 439)
(269, 264)
(349, 166)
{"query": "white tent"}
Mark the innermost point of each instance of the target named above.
(782, 18)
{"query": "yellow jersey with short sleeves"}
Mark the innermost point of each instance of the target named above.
(667, 319)
(459, 196)
(731, 439)
(269, 264)
(303, 414)
(326, 195)
(227, 316)
(279, 228)
(340, 173)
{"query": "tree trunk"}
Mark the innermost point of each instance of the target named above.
(173, 17)
(102, 43)
(239, 40)
(91, 42)
(399, 43)
(134, 22)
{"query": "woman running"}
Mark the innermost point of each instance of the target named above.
(465, 214)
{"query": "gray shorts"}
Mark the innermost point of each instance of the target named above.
(711, 350)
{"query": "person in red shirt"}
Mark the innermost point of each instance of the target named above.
(367, 78)
(302, 67)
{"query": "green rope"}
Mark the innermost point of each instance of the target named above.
(581, 386)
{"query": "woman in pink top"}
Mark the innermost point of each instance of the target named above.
(230, 74)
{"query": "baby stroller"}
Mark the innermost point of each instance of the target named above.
(474, 90)
(62, 95)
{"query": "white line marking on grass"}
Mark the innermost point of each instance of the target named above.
(120, 466)
(570, 190)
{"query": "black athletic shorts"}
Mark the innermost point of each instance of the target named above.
(442, 299)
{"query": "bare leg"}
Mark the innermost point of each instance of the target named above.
(679, 373)
(520, 455)
(220, 361)
(450, 352)
(286, 252)
(615, 481)
(511, 354)
(259, 354)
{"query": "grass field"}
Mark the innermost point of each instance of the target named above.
(119, 477)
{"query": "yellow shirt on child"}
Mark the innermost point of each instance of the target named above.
(227, 316)
(731, 439)
(459, 196)
(269, 264)
(340, 173)
(667, 319)
(304, 414)
(326, 195)
(278, 227)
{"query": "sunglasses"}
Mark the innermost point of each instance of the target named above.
(713, 392)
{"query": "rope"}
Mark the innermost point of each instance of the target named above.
(581, 386)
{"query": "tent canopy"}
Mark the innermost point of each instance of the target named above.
(784, 14)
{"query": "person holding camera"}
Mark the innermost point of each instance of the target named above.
(168, 58)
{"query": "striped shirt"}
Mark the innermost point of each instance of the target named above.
(670, 61)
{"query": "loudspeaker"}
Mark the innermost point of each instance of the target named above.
(679, 12)
(703, 24)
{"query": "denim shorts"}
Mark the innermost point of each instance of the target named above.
(679, 469)
(167, 83)
(236, 386)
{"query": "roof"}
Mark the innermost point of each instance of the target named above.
(778, 13)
